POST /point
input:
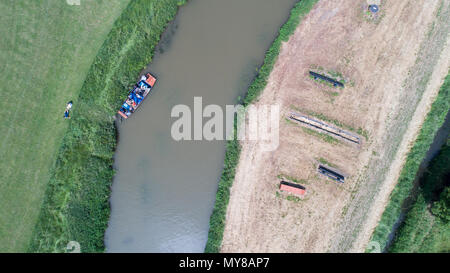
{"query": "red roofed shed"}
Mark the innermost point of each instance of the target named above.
(292, 188)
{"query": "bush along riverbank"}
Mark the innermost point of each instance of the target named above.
(425, 228)
(217, 220)
(76, 205)
(434, 120)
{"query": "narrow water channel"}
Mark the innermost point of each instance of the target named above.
(164, 191)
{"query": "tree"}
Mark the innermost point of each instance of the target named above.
(441, 208)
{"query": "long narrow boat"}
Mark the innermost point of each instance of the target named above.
(137, 95)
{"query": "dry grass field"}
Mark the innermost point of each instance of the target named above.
(390, 83)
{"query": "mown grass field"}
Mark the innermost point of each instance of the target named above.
(76, 207)
(46, 49)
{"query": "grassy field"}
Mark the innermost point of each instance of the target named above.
(433, 122)
(217, 220)
(76, 207)
(46, 49)
(421, 230)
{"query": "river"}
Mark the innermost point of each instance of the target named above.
(164, 191)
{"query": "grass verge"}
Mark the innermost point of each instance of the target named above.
(76, 207)
(433, 122)
(217, 220)
(359, 131)
(325, 162)
(375, 172)
(421, 230)
(322, 136)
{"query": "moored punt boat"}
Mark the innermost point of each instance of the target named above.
(137, 95)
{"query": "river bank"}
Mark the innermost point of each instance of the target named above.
(164, 190)
(76, 207)
(336, 217)
(233, 150)
(403, 190)
(423, 228)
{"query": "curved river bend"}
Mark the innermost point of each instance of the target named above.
(164, 191)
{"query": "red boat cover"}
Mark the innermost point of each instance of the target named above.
(150, 79)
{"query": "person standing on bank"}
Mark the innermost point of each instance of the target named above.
(67, 111)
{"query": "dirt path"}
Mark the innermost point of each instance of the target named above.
(409, 138)
(375, 59)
